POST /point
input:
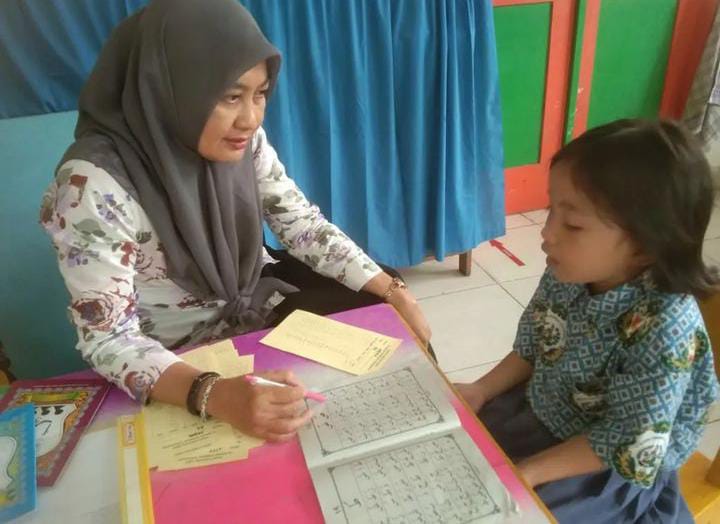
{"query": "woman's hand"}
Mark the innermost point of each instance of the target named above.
(268, 412)
(404, 302)
(409, 309)
(473, 394)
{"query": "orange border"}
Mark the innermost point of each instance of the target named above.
(587, 66)
(693, 23)
(526, 186)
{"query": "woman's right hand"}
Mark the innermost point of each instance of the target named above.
(473, 394)
(267, 412)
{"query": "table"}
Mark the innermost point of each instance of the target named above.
(272, 485)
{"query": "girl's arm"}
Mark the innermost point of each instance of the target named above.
(511, 371)
(570, 458)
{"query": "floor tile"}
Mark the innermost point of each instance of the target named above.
(714, 413)
(522, 290)
(711, 252)
(524, 243)
(433, 278)
(537, 217)
(513, 221)
(472, 327)
(470, 374)
(713, 230)
(710, 440)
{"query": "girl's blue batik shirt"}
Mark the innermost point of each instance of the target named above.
(630, 368)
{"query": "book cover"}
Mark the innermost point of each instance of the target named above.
(62, 411)
(17, 462)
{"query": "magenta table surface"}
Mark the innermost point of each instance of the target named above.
(273, 484)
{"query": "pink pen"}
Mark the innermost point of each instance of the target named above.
(259, 381)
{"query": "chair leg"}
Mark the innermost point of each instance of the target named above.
(466, 263)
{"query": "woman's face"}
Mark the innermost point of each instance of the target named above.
(236, 117)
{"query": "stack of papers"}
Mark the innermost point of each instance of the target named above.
(177, 440)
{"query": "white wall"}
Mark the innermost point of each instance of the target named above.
(714, 159)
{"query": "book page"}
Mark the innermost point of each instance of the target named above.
(378, 410)
(335, 344)
(444, 479)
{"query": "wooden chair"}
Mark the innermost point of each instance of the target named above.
(700, 477)
(465, 263)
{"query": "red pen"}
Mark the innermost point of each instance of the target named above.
(259, 381)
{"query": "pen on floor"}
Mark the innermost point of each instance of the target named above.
(259, 381)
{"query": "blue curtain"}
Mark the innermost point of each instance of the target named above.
(386, 113)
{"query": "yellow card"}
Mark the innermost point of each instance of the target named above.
(332, 343)
(221, 357)
(135, 492)
(178, 440)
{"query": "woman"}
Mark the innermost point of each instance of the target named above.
(156, 214)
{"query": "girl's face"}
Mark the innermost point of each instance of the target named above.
(582, 246)
(236, 117)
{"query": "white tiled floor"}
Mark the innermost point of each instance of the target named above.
(474, 318)
(440, 278)
(711, 251)
(473, 327)
(711, 247)
(523, 242)
(713, 230)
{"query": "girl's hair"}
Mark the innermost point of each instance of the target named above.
(652, 179)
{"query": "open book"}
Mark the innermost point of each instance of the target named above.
(389, 447)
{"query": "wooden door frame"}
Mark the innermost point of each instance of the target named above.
(526, 186)
(693, 23)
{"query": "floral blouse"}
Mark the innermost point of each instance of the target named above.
(126, 310)
(632, 369)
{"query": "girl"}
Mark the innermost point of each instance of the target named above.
(605, 393)
(156, 212)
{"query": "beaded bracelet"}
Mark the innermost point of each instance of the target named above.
(205, 396)
(197, 383)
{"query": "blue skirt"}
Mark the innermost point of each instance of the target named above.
(596, 498)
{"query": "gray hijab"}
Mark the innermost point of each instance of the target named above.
(142, 112)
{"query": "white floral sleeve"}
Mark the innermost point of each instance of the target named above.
(302, 228)
(92, 225)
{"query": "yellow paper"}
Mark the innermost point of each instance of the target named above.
(221, 357)
(179, 440)
(332, 343)
(135, 491)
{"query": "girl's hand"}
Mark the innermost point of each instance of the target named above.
(526, 470)
(473, 395)
(267, 412)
